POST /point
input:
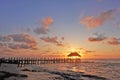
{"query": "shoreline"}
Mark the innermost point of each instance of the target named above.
(29, 72)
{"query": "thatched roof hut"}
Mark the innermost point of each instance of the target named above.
(74, 54)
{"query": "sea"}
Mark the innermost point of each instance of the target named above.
(104, 69)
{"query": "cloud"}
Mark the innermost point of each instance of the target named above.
(60, 44)
(114, 41)
(21, 46)
(50, 40)
(44, 29)
(53, 40)
(40, 30)
(27, 29)
(80, 48)
(47, 22)
(1, 45)
(118, 25)
(92, 22)
(19, 41)
(23, 37)
(101, 37)
(62, 38)
(97, 38)
(24, 29)
(88, 51)
(4, 38)
(84, 51)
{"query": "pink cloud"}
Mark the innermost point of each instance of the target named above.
(44, 29)
(49, 39)
(5, 38)
(114, 41)
(23, 37)
(92, 22)
(47, 22)
(18, 41)
(97, 38)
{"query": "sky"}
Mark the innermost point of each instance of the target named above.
(54, 28)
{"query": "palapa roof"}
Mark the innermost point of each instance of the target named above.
(74, 54)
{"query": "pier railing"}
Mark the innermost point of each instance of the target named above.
(24, 61)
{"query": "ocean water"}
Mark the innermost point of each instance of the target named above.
(90, 69)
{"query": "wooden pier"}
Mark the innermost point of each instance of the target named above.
(24, 61)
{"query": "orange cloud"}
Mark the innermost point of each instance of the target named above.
(47, 22)
(92, 22)
(114, 41)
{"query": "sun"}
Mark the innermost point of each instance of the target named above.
(74, 57)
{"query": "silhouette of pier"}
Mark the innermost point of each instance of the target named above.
(24, 61)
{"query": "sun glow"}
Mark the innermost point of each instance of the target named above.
(75, 50)
(74, 54)
(75, 57)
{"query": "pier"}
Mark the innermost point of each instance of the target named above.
(24, 61)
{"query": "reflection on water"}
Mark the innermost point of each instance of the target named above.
(107, 69)
(74, 69)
